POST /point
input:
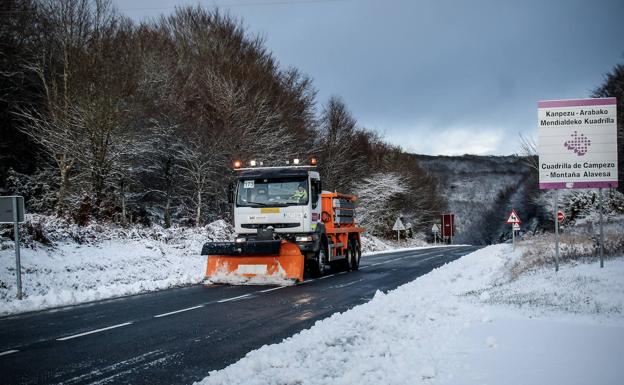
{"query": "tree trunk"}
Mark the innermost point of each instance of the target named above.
(97, 182)
(64, 168)
(168, 212)
(123, 206)
(123, 209)
(199, 203)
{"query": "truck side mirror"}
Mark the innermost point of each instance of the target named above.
(231, 193)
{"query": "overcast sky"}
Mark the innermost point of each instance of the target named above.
(437, 76)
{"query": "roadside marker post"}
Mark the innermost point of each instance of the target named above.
(515, 227)
(559, 218)
(12, 211)
(398, 226)
(435, 229)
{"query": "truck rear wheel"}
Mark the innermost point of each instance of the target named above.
(354, 255)
(342, 264)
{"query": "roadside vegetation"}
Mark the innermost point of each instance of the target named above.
(109, 119)
(579, 234)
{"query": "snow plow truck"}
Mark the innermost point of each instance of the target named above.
(285, 225)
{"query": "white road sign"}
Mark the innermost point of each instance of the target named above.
(516, 226)
(435, 228)
(577, 143)
(398, 225)
(513, 217)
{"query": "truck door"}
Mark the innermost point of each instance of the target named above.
(315, 201)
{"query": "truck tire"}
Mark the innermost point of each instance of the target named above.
(317, 268)
(342, 264)
(354, 255)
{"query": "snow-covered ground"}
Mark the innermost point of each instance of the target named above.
(97, 262)
(464, 323)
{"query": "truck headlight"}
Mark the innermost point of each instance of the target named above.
(303, 238)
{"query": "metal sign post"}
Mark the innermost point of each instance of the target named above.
(556, 230)
(514, 220)
(514, 227)
(12, 211)
(601, 233)
(18, 262)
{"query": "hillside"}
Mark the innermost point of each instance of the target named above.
(479, 190)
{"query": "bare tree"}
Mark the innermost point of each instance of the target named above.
(341, 162)
(528, 148)
(156, 165)
(59, 135)
(377, 197)
(81, 126)
(198, 168)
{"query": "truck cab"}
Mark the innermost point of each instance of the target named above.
(278, 203)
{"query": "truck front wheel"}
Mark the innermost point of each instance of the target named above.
(317, 267)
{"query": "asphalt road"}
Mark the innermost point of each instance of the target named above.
(177, 336)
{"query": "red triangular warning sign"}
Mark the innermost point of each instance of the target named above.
(513, 217)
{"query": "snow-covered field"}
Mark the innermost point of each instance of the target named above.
(82, 264)
(464, 323)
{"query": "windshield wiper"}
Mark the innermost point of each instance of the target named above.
(258, 204)
(253, 204)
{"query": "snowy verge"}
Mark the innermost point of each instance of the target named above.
(435, 330)
(373, 244)
(98, 262)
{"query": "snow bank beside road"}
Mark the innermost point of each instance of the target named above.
(373, 244)
(106, 263)
(437, 328)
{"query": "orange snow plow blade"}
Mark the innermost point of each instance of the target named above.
(279, 262)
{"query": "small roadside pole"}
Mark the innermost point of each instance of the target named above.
(398, 226)
(559, 218)
(601, 233)
(557, 229)
(514, 220)
(12, 211)
(435, 229)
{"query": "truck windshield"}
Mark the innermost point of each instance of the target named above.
(272, 192)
